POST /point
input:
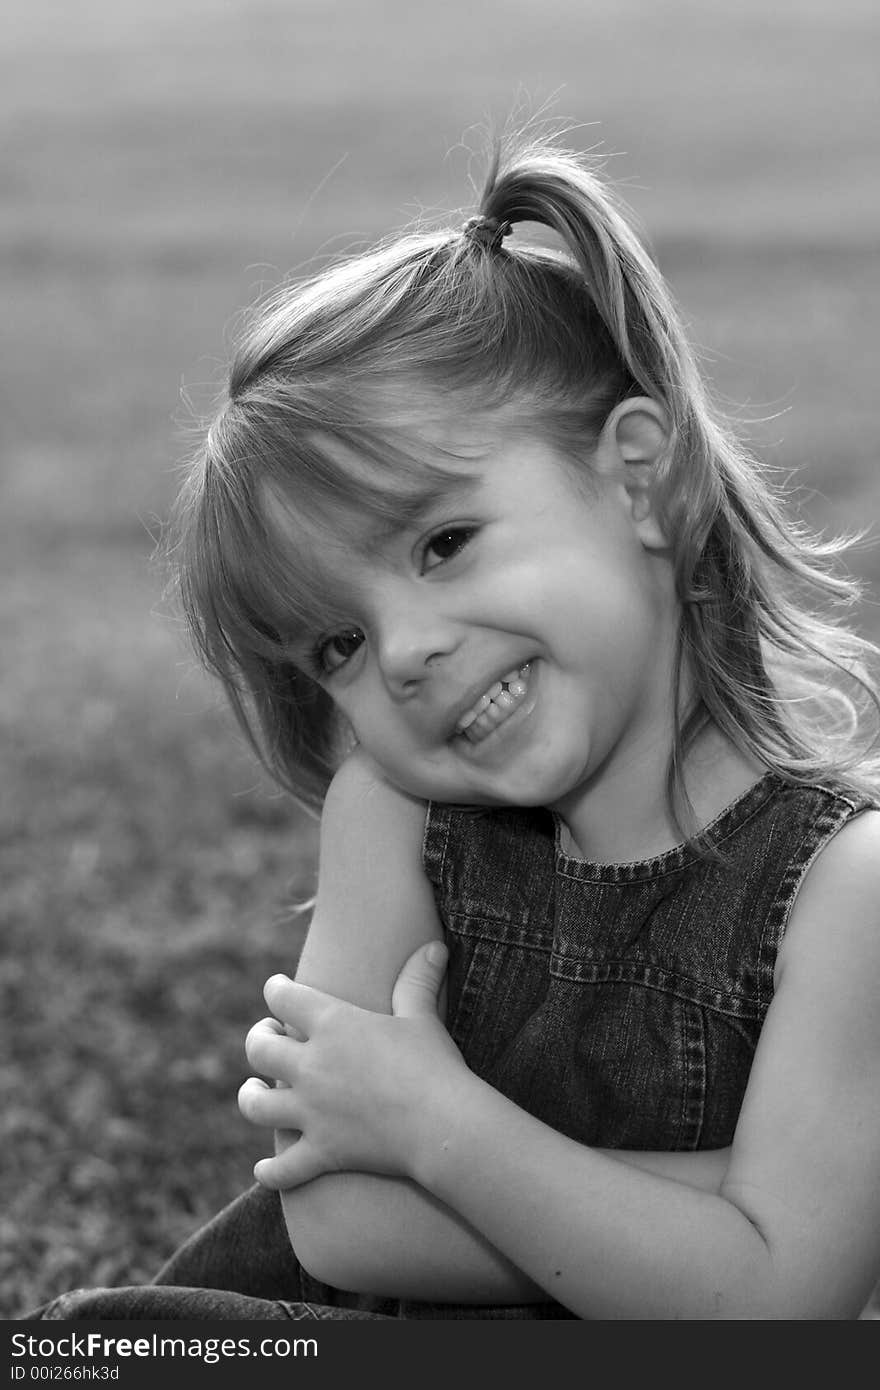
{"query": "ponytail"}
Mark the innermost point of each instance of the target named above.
(550, 187)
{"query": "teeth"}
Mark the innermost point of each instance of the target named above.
(493, 707)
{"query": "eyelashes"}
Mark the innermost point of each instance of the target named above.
(445, 544)
(329, 654)
(334, 650)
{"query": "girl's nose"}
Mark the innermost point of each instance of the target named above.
(410, 647)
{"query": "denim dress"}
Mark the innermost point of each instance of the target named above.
(622, 1003)
(619, 1003)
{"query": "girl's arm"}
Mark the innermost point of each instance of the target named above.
(364, 1231)
(374, 907)
(794, 1231)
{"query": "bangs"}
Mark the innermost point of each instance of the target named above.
(275, 518)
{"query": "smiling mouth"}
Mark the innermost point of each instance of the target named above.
(495, 706)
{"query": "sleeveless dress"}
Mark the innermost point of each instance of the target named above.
(622, 1003)
(619, 1003)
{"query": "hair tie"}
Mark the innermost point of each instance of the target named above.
(487, 231)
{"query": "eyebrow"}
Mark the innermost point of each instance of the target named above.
(415, 507)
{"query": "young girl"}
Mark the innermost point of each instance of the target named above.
(484, 575)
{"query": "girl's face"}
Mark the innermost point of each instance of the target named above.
(514, 646)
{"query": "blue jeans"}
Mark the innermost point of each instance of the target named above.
(238, 1266)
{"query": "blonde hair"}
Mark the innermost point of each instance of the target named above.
(358, 354)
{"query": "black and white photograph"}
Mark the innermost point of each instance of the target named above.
(440, 699)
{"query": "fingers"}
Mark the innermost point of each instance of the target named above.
(296, 1165)
(418, 985)
(299, 1006)
(270, 1051)
(267, 1106)
(274, 1047)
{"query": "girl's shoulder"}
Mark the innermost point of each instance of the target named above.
(369, 827)
(835, 918)
(374, 905)
(848, 866)
(361, 802)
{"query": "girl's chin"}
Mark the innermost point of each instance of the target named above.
(520, 784)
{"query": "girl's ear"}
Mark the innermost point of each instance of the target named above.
(633, 443)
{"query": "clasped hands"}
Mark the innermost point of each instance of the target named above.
(352, 1085)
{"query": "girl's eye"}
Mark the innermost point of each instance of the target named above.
(332, 652)
(443, 545)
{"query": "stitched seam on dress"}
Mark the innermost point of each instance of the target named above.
(828, 822)
(607, 969)
(435, 840)
(694, 1097)
(461, 923)
(680, 856)
(665, 982)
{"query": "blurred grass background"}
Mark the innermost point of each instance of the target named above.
(162, 162)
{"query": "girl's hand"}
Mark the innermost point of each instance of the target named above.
(353, 1083)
